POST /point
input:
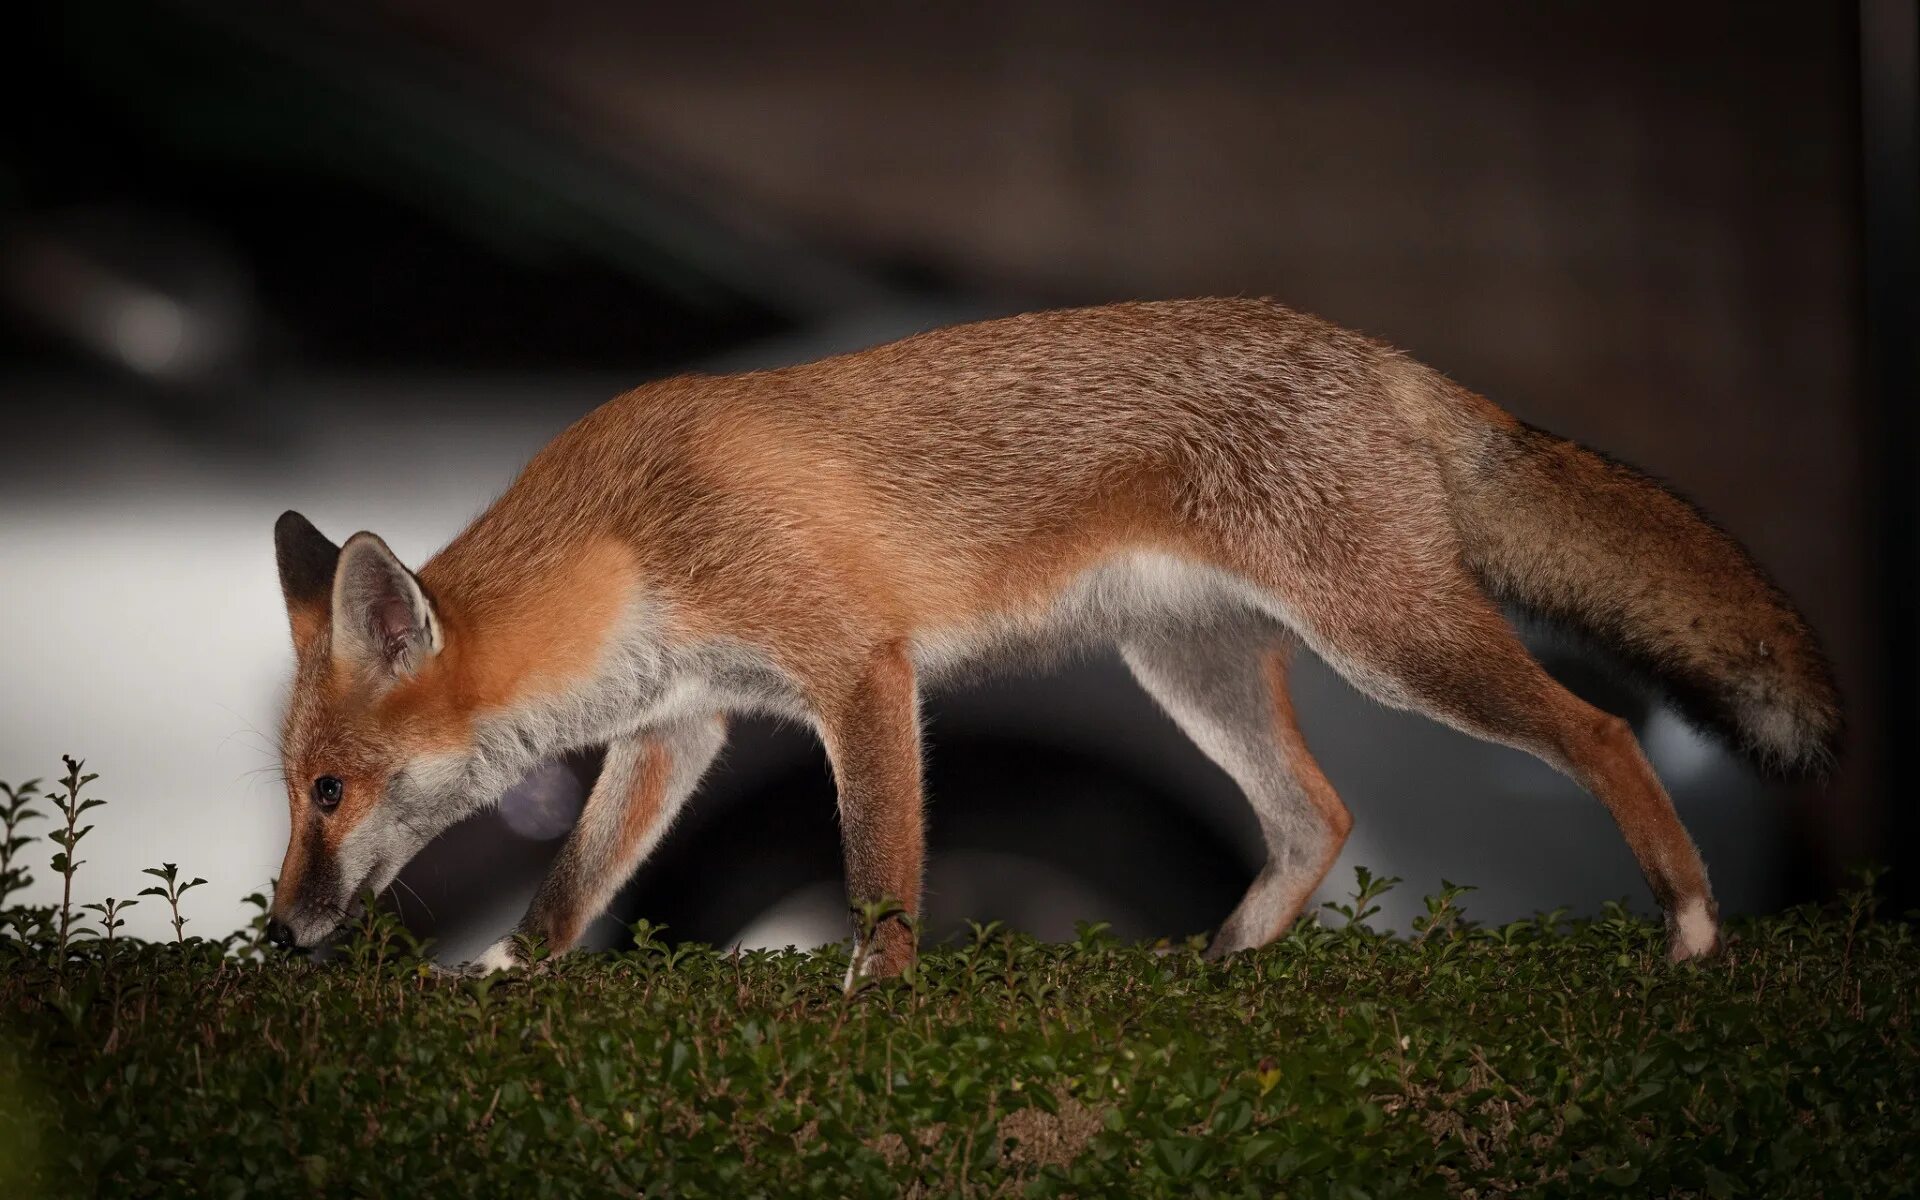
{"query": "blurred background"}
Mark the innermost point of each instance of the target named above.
(362, 259)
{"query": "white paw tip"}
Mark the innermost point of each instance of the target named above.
(1696, 928)
(494, 958)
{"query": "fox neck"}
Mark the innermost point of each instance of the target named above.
(572, 657)
(609, 703)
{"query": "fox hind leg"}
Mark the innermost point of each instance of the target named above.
(1227, 691)
(1439, 647)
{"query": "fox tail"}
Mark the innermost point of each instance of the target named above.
(1595, 546)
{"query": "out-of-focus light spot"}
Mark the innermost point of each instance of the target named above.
(805, 920)
(545, 804)
(1678, 753)
(148, 332)
(1027, 894)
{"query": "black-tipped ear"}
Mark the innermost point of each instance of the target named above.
(383, 623)
(307, 561)
(306, 557)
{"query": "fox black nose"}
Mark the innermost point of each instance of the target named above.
(280, 934)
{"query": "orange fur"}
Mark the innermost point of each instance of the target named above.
(643, 809)
(508, 645)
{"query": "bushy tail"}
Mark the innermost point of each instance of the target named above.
(1593, 545)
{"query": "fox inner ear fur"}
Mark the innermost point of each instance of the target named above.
(383, 623)
(307, 564)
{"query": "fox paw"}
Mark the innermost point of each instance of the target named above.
(1693, 931)
(497, 957)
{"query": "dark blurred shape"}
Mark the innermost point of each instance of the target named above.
(1890, 178)
(157, 300)
(1021, 831)
(394, 205)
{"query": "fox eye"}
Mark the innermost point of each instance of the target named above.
(327, 791)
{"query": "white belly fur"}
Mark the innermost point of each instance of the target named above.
(1136, 595)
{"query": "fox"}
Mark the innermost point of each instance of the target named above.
(1207, 485)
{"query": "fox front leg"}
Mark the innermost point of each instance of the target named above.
(645, 780)
(872, 732)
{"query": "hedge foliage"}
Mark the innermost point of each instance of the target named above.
(1543, 1057)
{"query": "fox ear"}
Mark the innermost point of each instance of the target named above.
(307, 562)
(383, 622)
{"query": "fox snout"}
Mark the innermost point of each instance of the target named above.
(296, 926)
(317, 893)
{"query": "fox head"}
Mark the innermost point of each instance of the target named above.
(374, 748)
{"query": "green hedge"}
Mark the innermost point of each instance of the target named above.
(1544, 1057)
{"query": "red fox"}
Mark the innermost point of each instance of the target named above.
(1209, 485)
